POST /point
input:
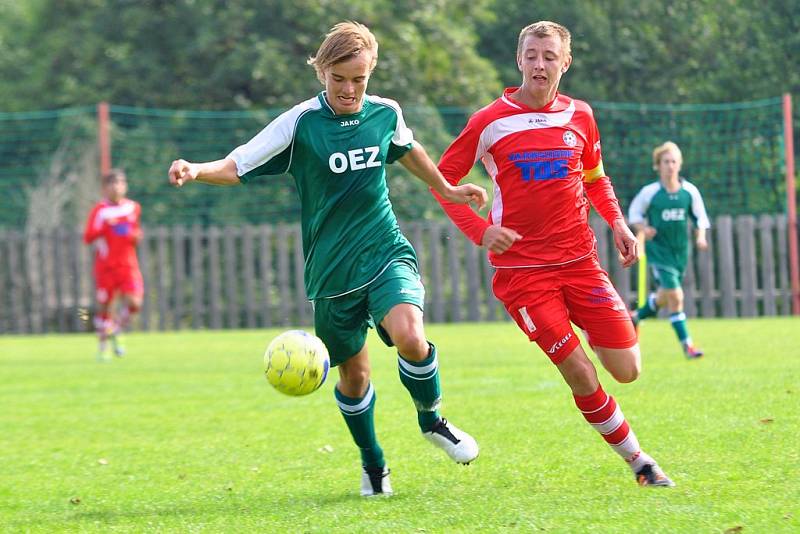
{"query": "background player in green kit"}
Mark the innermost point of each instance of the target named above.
(360, 270)
(661, 210)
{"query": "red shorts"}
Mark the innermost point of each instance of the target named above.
(544, 300)
(124, 280)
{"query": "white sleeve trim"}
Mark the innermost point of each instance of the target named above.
(637, 213)
(698, 206)
(402, 133)
(272, 140)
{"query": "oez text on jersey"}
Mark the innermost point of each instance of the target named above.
(355, 160)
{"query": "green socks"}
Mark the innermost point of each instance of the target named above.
(650, 309)
(678, 321)
(359, 414)
(421, 379)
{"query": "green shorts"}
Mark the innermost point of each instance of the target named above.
(342, 322)
(667, 277)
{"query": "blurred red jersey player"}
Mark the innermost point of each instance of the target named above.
(542, 151)
(113, 229)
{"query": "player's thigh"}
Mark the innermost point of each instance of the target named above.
(104, 289)
(535, 302)
(667, 276)
(341, 323)
(131, 286)
(396, 301)
(595, 306)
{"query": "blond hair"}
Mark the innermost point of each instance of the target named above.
(545, 28)
(662, 149)
(344, 41)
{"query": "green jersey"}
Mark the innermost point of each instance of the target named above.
(350, 233)
(669, 214)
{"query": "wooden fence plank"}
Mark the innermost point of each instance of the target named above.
(746, 265)
(726, 265)
(19, 311)
(472, 259)
(454, 266)
(299, 286)
(232, 274)
(59, 279)
(198, 288)
(283, 276)
(178, 275)
(145, 263)
(74, 277)
(705, 260)
(494, 309)
(248, 272)
(689, 285)
(265, 261)
(766, 224)
(162, 276)
(435, 253)
(5, 283)
(783, 264)
(214, 277)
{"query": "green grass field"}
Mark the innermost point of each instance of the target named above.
(186, 435)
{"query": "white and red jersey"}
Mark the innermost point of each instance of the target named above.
(541, 161)
(114, 229)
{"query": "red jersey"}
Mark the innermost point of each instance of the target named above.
(115, 230)
(541, 161)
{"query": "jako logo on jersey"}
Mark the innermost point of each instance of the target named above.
(353, 122)
(558, 344)
(673, 214)
(569, 138)
(354, 159)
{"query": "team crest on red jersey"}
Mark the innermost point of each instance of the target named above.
(569, 138)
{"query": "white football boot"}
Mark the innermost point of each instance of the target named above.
(458, 445)
(375, 481)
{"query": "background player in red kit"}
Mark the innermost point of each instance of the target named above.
(542, 151)
(114, 230)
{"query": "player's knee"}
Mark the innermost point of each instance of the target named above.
(627, 374)
(628, 371)
(353, 381)
(411, 344)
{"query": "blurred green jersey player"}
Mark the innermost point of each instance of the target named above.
(662, 211)
(360, 271)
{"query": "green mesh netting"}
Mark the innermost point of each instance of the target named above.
(732, 152)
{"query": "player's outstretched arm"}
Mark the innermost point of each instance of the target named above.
(420, 165)
(220, 172)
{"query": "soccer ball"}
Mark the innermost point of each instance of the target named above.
(296, 363)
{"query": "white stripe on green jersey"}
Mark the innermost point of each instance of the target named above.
(338, 162)
(669, 214)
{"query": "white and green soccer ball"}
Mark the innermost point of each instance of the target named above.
(296, 363)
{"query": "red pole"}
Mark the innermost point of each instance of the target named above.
(103, 138)
(791, 202)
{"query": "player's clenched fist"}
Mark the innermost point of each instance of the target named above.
(498, 239)
(181, 171)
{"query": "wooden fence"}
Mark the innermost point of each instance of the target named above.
(252, 276)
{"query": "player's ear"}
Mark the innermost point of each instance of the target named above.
(567, 63)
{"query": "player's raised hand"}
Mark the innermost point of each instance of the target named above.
(626, 243)
(181, 171)
(498, 238)
(467, 193)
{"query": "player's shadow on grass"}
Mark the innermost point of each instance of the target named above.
(221, 508)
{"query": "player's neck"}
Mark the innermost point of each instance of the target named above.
(671, 183)
(533, 99)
